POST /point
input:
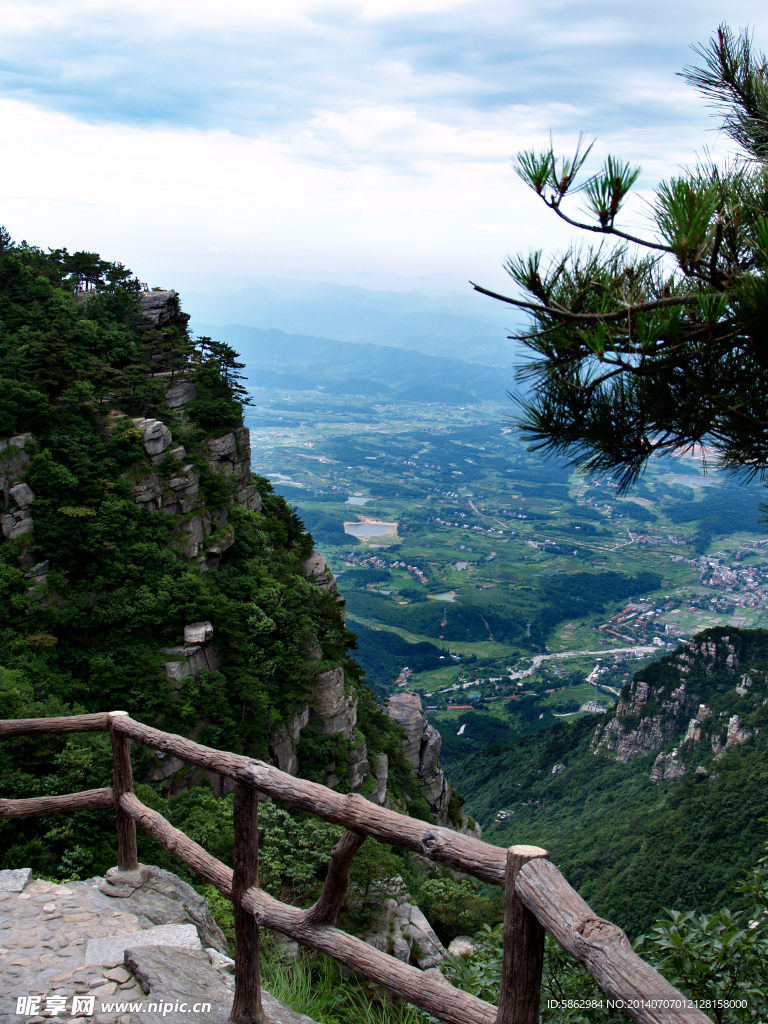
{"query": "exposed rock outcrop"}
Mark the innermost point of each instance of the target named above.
(160, 307)
(283, 743)
(15, 456)
(404, 932)
(317, 569)
(667, 766)
(197, 655)
(421, 746)
(19, 520)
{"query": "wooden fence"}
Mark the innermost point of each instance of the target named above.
(537, 896)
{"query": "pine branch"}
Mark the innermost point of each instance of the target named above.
(558, 312)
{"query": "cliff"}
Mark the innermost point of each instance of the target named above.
(144, 567)
(666, 708)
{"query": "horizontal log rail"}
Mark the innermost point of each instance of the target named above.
(88, 800)
(537, 896)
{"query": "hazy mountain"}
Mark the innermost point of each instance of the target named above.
(462, 326)
(275, 359)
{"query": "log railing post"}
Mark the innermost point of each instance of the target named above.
(246, 1006)
(122, 782)
(523, 948)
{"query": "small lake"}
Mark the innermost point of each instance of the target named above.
(450, 596)
(354, 500)
(695, 481)
(371, 529)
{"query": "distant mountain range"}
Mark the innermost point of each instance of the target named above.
(458, 325)
(277, 360)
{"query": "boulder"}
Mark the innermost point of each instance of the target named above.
(22, 495)
(462, 945)
(198, 633)
(15, 455)
(16, 524)
(180, 394)
(156, 437)
(404, 932)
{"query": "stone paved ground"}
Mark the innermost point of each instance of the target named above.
(50, 935)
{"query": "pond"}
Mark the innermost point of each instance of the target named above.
(695, 481)
(355, 500)
(371, 528)
(450, 596)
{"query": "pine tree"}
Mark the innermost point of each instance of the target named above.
(645, 345)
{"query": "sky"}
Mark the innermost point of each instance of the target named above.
(365, 143)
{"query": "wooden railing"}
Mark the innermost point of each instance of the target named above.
(537, 896)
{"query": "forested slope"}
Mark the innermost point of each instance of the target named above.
(130, 515)
(657, 804)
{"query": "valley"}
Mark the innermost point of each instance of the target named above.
(509, 592)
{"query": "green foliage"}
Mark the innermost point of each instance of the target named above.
(717, 959)
(623, 841)
(75, 368)
(649, 344)
(456, 908)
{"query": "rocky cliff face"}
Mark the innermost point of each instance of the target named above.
(332, 709)
(421, 746)
(693, 704)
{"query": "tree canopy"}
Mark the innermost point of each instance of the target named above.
(649, 344)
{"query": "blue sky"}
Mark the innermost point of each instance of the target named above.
(365, 143)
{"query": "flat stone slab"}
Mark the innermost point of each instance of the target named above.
(14, 880)
(110, 951)
(172, 978)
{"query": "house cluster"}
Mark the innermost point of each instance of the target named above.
(631, 623)
(747, 587)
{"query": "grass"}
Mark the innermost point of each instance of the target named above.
(316, 987)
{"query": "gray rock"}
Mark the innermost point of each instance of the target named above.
(159, 307)
(15, 456)
(283, 743)
(156, 437)
(220, 962)
(14, 880)
(421, 746)
(426, 949)
(462, 945)
(334, 711)
(220, 446)
(16, 524)
(160, 897)
(37, 571)
(189, 661)
(180, 393)
(316, 567)
(172, 975)
(109, 951)
(22, 495)
(198, 633)
(249, 495)
(380, 770)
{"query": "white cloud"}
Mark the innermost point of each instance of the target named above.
(306, 137)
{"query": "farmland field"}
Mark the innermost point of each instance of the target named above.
(476, 556)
